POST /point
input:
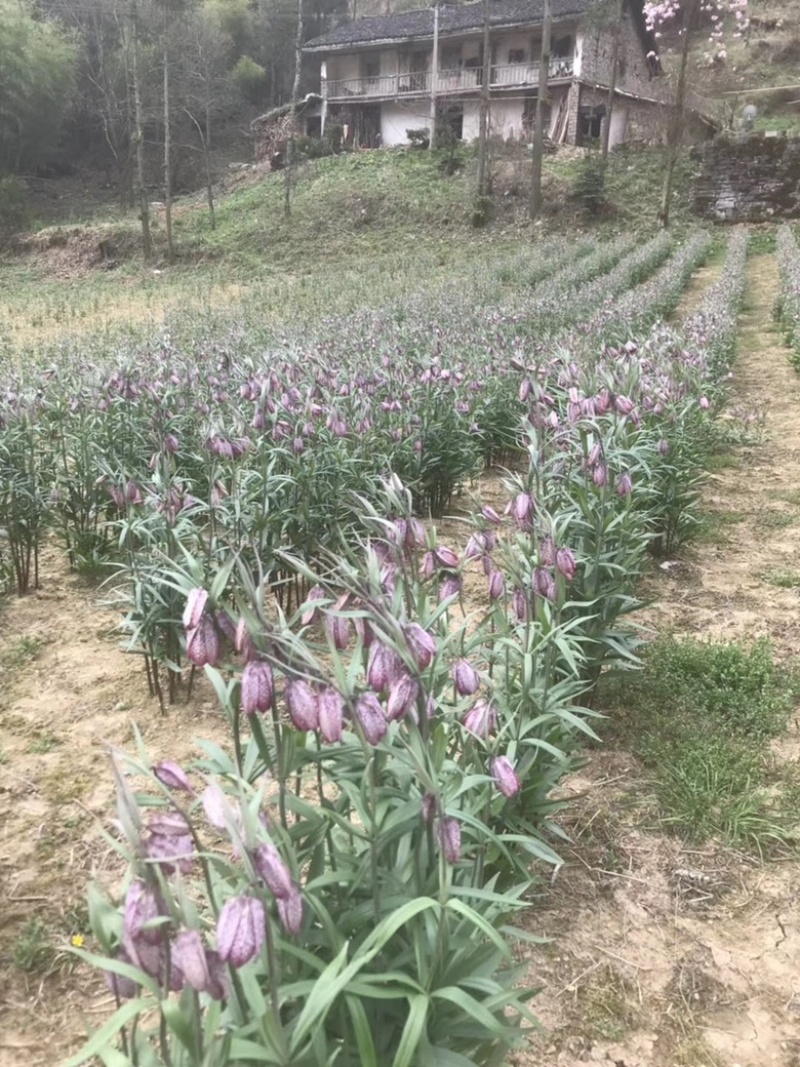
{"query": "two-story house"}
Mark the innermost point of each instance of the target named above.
(382, 76)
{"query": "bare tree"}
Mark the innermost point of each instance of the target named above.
(542, 97)
(482, 190)
(612, 81)
(298, 58)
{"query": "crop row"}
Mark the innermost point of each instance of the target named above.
(338, 884)
(788, 308)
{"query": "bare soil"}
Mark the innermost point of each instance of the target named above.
(657, 954)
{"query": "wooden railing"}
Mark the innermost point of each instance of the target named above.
(448, 81)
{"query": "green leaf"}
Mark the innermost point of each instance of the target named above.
(109, 1030)
(366, 1046)
(412, 1031)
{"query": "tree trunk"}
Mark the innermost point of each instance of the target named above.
(675, 134)
(298, 56)
(538, 130)
(612, 84)
(141, 190)
(434, 75)
(483, 116)
(167, 156)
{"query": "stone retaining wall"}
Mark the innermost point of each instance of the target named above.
(751, 179)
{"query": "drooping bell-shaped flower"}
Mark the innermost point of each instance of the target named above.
(170, 852)
(600, 475)
(450, 835)
(301, 701)
(505, 777)
(216, 806)
(403, 694)
(421, 644)
(370, 716)
(481, 718)
(274, 872)
(203, 644)
(290, 911)
(623, 404)
(258, 687)
(338, 630)
(445, 557)
(120, 985)
(565, 563)
(330, 706)
(520, 606)
(466, 678)
(173, 776)
(497, 582)
(143, 906)
(521, 510)
(241, 930)
(450, 587)
(491, 515)
(429, 806)
(315, 595)
(195, 608)
(428, 568)
(243, 641)
(189, 954)
(383, 667)
(624, 485)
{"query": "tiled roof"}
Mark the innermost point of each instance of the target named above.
(452, 19)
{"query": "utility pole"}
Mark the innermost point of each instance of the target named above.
(434, 74)
(541, 99)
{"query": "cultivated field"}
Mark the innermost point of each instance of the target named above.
(425, 612)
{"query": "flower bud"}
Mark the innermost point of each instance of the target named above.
(466, 678)
(330, 704)
(290, 911)
(624, 485)
(704, 404)
(301, 701)
(370, 716)
(172, 776)
(450, 835)
(428, 568)
(429, 805)
(240, 930)
(273, 871)
(258, 687)
(600, 475)
(520, 606)
(505, 777)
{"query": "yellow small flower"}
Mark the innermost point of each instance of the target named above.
(78, 940)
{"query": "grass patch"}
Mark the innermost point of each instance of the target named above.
(33, 952)
(776, 520)
(788, 496)
(783, 579)
(713, 526)
(704, 714)
(42, 743)
(25, 650)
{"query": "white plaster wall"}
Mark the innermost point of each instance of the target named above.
(471, 122)
(619, 124)
(505, 119)
(341, 68)
(578, 61)
(397, 118)
(502, 45)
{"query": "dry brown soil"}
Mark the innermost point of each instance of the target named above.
(658, 955)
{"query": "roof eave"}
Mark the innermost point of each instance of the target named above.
(443, 35)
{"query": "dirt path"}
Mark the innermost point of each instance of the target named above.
(675, 957)
(66, 692)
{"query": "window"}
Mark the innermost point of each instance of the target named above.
(516, 55)
(562, 48)
(371, 69)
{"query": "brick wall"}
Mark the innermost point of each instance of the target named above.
(598, 48)
(749, 180)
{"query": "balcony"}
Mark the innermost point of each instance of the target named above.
(466, 79)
